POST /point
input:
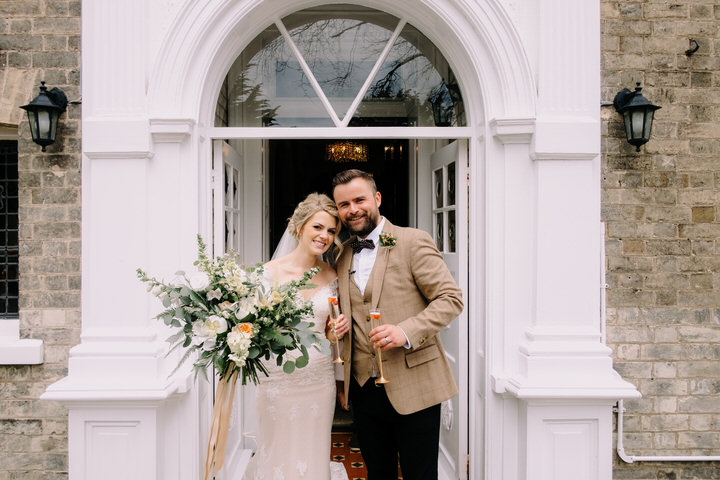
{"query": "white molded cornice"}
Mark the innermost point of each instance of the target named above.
(171, 130)
(512, 130)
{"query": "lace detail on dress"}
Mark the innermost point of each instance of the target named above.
(295, 413)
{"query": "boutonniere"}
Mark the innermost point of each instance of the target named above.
(387, 239)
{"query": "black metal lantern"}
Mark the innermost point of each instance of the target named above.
(638, 113)
(43, 113)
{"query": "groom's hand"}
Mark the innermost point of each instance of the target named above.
(387, 336)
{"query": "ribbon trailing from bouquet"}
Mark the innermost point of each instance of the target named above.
(222, 410)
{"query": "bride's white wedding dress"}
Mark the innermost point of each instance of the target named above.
(295, 414)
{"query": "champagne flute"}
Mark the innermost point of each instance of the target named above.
(334, 314)
(375, 320)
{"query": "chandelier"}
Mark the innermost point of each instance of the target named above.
(346, 151)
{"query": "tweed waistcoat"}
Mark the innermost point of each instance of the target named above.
(363, 358)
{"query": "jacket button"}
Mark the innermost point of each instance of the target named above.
(367, 318)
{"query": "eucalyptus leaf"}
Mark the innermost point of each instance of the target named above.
(302, 361)
(289, 367)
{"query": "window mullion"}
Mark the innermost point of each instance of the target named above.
(373, 73)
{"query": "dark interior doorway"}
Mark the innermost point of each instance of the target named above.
(300, 167)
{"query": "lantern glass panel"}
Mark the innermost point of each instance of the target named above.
(627, 121)
(33, 120)
(648, 122)
(638, 119)
(44, 124)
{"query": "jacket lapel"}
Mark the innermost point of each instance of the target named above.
(377, 276)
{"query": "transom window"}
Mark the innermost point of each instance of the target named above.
(339, 66)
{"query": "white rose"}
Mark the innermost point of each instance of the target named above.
(198, 281)
(215, 325)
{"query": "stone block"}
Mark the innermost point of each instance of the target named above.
(663, 352)
(625, 352)
(56, 265)
(664, 388)
(55, 195)
(53, 179)
(668, 247)
(703, 247)
(20, 426)
(701, 440)
(629, 334)
(701, 79)
(704, 386)
(698, 299)
(665, 404)
(664, 440)
(56, 230)
(666, 335)
(697, 369)
(665, 369)
(660, 423)
(69, 25)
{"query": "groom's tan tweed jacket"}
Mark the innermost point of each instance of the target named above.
(413, 288)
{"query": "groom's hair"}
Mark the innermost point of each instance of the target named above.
(346, 176)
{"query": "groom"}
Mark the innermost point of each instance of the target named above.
(399, 272)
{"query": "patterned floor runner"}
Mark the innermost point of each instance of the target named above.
(353, 461)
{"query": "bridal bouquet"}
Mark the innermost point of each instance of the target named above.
(234, 318)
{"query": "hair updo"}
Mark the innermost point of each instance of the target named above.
(313, 203)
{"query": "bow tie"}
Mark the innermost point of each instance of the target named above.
(358, 244)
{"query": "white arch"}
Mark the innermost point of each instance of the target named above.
(477, 38)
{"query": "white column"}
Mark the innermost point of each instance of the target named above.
(562, 378)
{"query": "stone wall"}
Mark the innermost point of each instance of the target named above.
(662, 227)
(40, 40)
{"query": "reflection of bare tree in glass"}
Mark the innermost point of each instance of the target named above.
(251, 100)
(340, 52)
(335, 48)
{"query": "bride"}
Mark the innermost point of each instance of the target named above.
(295, 411)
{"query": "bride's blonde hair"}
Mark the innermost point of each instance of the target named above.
(313, 203)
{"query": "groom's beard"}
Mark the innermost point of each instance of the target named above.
(370, 221)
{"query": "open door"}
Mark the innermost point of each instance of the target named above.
(228, 235)
(449, 193)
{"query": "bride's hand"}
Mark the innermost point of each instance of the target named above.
(342, 326)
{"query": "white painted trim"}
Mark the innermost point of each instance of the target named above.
(171, 130)
(17, 351)
(347, 132)
(512, 130)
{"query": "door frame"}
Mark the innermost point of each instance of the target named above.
(475, 438)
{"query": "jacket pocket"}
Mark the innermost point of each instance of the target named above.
(424, 355)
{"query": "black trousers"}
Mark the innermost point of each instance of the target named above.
(384, 434)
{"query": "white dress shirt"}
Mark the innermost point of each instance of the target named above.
(364, 260)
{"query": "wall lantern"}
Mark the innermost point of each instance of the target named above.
(637, 112)
(43, 113)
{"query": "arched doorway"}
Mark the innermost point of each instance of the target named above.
(367, 90)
